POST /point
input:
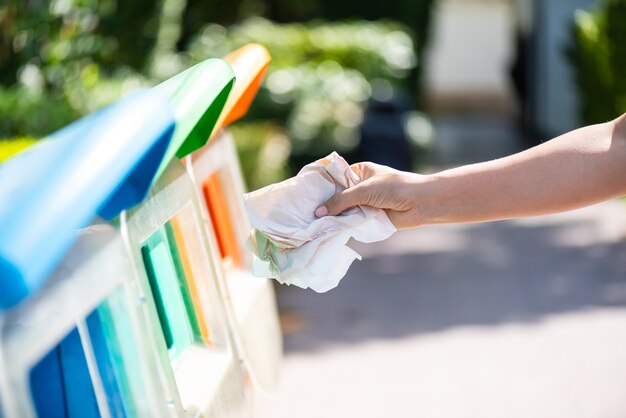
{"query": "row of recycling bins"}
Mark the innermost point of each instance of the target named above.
(124, 287)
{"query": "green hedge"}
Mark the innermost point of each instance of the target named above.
(60, 60)
(599, 59)
(321, 76)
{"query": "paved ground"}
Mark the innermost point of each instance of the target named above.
(509, 319)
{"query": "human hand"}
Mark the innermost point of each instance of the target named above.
(380, 187)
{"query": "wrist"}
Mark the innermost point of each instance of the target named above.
(427, 204)
(421, 193)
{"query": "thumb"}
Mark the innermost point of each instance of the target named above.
(340, 202)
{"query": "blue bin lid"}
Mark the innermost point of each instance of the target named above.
(99, 165)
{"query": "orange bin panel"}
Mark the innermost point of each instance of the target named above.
(221, 219)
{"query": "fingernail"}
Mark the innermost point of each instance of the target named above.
(321, 211)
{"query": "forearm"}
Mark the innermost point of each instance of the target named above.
(576, 169)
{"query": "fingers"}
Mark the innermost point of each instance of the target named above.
(360, 194)
(340, 202)
(348, 198)
(357, 169)
(364, 170)
(344, 200)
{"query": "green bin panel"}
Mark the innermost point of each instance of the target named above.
(167, 292)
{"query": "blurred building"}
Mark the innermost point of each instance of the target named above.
(506, 55)
(471, 49)
(544, 30)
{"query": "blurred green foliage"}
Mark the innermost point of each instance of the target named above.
(414, 14)
(263, 149)
(62, 37)
(599, 58)
(61, 59)
(321, 76)
(33, 113)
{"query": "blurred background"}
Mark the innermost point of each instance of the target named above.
(517, 318)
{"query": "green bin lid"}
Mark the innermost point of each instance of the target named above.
(198, 96)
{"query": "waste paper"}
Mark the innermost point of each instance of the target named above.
(294, 247)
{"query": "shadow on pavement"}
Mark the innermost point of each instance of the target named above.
(435, 278)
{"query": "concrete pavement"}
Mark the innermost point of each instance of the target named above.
(519, 318)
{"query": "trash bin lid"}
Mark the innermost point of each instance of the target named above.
(198, 96)
(249, 64)
(99, 165)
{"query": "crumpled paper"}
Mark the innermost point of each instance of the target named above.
(292, 245)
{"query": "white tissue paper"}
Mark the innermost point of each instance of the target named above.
(292, 245)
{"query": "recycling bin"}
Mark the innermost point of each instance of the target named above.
(219, 187)
(71, 342)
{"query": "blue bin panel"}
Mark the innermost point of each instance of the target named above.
(60, 383)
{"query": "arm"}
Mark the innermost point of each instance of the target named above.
(576, 169)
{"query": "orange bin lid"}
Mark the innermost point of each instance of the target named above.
(249, 63)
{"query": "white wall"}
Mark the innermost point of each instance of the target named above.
(471, 48)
